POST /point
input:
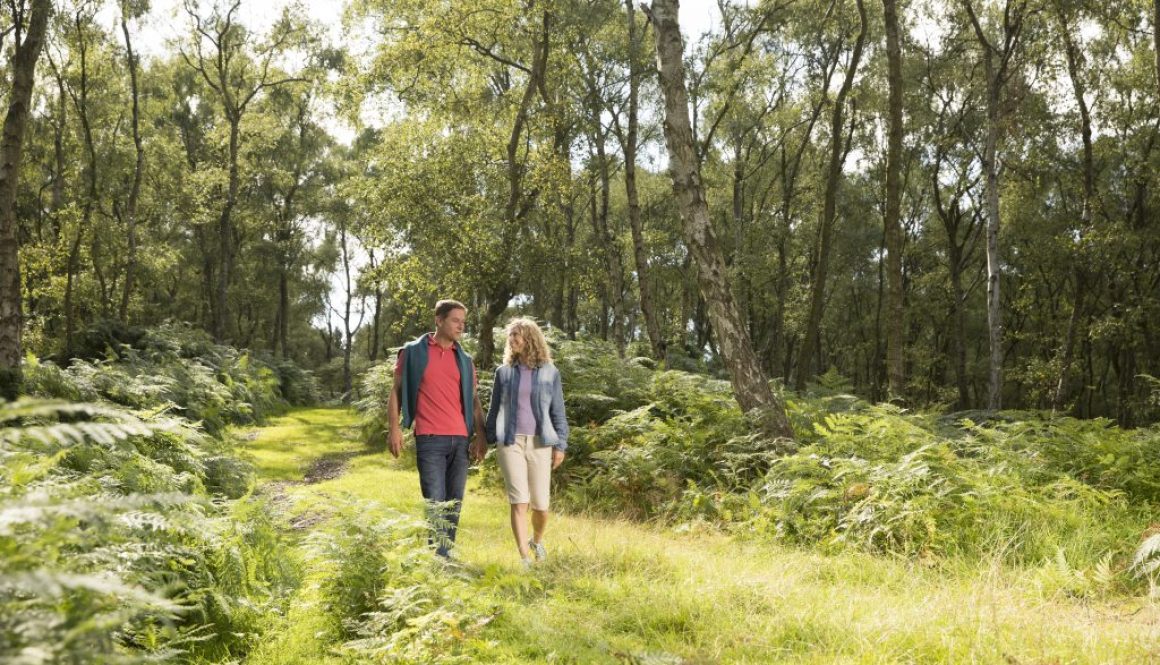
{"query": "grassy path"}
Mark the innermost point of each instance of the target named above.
(617, 592)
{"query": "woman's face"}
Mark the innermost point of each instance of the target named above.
(515, 341)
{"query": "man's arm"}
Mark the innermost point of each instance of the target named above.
(395, 435)
(479, 443)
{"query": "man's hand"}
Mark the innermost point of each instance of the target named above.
(557, 458)
(395, 438)
(478, 448)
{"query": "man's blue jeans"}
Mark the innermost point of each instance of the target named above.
(442, 478)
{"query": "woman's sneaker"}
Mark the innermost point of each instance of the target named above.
(538, 549)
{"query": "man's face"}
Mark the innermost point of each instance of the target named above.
(451, 326)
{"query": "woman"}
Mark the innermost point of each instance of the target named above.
(526, 422)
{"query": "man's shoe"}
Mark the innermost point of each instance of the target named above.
(538, 549)
(526, 564)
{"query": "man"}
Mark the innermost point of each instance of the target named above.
(435, 395)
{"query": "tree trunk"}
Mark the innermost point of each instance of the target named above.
(283, 314)
(561, 312)
(959, 325)
(135, 189)
(614, 287)
(81, 102)
(348, 331)
(377, 330)
(778, 338)
(204, 243)
(1062, 386)
(952, 218)
(376, 321)
(328, 337)
(994, 303)
(1074, 65)
(875, 370)
(750, 385)
(226, 237)
(1156, 39)
(518, 202)
(235, 85)
(72, 267)
(59, 159)
(829, 211)
(743, 290)
(996, 75)
(640, 252)
(571, 291)
(23, 68)
(496, 305)
(895, 363)
(284, 240)
(789, 175)
(346, 378)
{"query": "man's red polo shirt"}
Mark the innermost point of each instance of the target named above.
(440, 405)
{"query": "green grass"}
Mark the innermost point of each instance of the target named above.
(621, 592)
(285, 448)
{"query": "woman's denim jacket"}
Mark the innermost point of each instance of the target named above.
(547, 406)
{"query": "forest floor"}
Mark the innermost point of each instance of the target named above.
(621, 592)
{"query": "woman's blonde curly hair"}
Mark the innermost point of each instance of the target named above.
(535, 352)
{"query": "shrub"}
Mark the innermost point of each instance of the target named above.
(377, 383)
(394, 600)
(179, 368)
(597, 383)
(873, 478)
(298, 386)
(640, 462)
(884, 481)
(111, 547)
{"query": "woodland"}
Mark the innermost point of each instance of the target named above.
(869, 289)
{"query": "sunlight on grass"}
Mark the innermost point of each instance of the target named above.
(285, 448)
(616, 592)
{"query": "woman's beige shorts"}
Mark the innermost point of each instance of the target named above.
(527, 470)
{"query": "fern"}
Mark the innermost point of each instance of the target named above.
(1146, 560)
(104, 513)
(394, 601)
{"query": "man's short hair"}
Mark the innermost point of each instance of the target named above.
(444, 307)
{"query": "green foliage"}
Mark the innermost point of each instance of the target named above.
(298, 386)
(395, 602)
(1093, 451)
(113, 547)
(878, 479)
(690, 433)
(177, 367)
(377, 384)
(885, 481)
(1058, 577)
(598, 382)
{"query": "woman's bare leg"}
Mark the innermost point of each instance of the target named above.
(539, 523)
(519, 516)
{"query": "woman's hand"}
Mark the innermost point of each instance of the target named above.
(557, 458)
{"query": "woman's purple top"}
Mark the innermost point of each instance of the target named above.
(525, 419)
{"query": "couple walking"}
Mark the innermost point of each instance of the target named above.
(435, 395)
